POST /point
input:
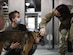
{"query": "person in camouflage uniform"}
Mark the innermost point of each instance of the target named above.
(63, 13)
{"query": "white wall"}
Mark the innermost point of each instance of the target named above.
(17, 5)
(68, 2)
(46, 5)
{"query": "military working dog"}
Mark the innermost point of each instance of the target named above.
(26, 39)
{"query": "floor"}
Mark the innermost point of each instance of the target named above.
(45, 50)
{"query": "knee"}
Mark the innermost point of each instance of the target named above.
(64, 32)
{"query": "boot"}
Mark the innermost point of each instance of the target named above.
(62, 53)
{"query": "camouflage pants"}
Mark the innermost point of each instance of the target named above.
(63, 42)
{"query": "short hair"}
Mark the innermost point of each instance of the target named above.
(63, 9)
(12, 14)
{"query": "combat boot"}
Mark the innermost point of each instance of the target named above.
(62, 53)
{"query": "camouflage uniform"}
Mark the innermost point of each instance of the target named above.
(64, 29)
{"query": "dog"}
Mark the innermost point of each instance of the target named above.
(26, 39)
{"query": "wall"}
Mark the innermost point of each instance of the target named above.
(68, 2)
(19, 6)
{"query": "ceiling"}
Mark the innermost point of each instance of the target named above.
(34, 3)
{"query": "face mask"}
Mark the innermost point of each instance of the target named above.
(18, 20)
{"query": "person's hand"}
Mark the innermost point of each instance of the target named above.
(37, 39)
(42, 31)
(14, 45)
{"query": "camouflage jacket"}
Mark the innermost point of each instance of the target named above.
(65, 24)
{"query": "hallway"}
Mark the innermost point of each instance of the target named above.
(43, 50)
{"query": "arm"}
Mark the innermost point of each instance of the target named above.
(9, 47)
(44, 21)
(6, 48)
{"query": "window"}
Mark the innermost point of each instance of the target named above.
(38, 22)
(31, 23)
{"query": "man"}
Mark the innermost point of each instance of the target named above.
(62, 12)
(12, 48)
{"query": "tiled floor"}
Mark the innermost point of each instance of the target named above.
(45, 51)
